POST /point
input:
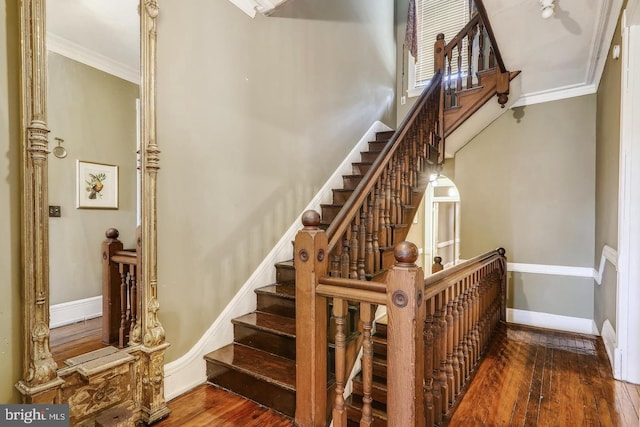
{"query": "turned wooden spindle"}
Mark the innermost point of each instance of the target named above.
(339, 316)
(367, 313)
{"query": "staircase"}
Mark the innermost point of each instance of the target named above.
(260, 364)
(379, 198)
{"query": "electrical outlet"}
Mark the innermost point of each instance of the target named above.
(55, 211)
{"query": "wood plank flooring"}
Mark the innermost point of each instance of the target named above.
(529, 377)
(538, 377)
(73, 340)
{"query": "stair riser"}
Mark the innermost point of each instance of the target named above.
(354, 416)
(330, 212)
(360, 168)
(380, 369)
(351, 182)
(369, 156)
(285, 274)
(378, 394)
(381, 136)
(341, 197)
(380, 349)
(377, 146)
(263, 392)
(266, 341)
(277, 305)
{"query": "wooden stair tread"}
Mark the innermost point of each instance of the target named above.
(272, 323)
(356, 404)
(287, 290)
(259, 364)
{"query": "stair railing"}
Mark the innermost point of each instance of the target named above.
(373, 217)
(120, 296)
(437, 331)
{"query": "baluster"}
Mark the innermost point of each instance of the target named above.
(353, 251)
(438, 392)
(393, 218)
(455, 361)
(492, 58)
(481, 46)
(369, 264)
(335, 262)
(470, 36)
(459, 73)
(377, 229)
(366, 314)
(339, 315)
(133, 301)
(442, 375)
(448, 91)
(462, 331)
(123, 303)
(428, 365)
(344, 258)
(468, 345)
(362, 237)
(387, 205)
(450, 338)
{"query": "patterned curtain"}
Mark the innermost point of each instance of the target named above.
(411, 36)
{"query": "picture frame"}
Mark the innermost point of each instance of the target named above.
(96, 185)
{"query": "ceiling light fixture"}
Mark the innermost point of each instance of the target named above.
(547, 8)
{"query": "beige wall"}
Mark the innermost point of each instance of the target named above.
(10, 272)
(526, 183)
(607, 157)
(253, 117)
(95, 114)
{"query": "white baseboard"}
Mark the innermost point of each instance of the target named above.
(610, 342)
(608, 254)
(188, 371)
(558, 270)
(70, 312)
(552, 321)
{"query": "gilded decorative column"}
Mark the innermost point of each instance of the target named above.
(39, 381)
(151, 331)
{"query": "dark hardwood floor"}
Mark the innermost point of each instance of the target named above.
(536, 377)
(212, 406)
(73, 340)
(529, 377)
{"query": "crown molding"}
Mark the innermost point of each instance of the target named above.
(555, 94)
(91, 58)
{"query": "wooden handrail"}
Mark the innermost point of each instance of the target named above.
(342, 221)
(457, 39)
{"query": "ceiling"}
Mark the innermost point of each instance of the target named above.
(559, 57)
(100, 33)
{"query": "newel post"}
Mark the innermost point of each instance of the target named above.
(310, 260)
(503, 285)
(110, 287)
(405, 357)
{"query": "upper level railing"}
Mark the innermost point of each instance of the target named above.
(120, 296)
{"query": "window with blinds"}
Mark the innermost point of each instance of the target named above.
(436, 16)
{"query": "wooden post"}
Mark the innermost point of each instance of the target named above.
(502, 86)
(503, 286)
(437, 265)
(311, 259)
(438, 54)
(405, 359)
(110, 288)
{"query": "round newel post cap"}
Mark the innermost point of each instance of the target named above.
(437, 260)
(502, 251)
(310, 219)
(406, 253)
(440, 36)
(112, 233)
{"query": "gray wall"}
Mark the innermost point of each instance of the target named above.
(253, 117)
(607, 157)
(10, 271)
(95, 114)
(526, 183)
